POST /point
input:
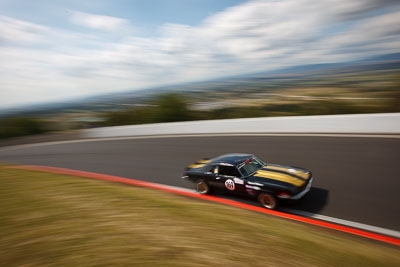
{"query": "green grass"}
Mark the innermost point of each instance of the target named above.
(57, 220)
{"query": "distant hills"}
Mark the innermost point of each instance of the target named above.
(281, 77)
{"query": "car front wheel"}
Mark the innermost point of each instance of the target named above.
(268, 201)
(202, 187)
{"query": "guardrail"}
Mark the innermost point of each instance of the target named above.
(385, 123)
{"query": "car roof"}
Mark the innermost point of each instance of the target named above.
(234, 158)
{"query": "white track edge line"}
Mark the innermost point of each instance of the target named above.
(361, 226)
(388, 136)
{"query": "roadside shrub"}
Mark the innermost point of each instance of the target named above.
(20, 126)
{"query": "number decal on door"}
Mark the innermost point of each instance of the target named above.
(229, 184)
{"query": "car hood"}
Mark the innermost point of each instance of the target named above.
(291, 175)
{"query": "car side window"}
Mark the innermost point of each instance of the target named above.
(228, 171)
(215, 171)
(210, 169)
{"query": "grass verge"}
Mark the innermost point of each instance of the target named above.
(57, 220)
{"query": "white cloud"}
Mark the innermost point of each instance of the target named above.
(13, 30)
(255, 36)
(98, 22)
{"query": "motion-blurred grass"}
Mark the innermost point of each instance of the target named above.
(56, 220)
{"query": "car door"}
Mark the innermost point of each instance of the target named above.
(207, 175)
(216, 180)
(228, 178)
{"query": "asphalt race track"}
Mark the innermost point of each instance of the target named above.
(355, 179)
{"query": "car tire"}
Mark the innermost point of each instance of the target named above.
(202, 187)
(268, 200)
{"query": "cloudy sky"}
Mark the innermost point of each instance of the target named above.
(66, 49)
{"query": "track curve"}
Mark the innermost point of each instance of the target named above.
(355, 178)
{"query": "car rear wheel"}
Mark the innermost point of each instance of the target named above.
(268, 201)
(202, 187)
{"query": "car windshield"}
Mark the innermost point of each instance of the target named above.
(251, 166)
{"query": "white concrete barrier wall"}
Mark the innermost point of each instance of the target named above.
(387, 123)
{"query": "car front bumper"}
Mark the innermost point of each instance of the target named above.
(302, 193)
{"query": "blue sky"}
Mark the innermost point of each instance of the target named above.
(146, 15)
(60, 50)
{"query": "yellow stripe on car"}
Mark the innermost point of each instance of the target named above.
(204, 161)
(196, 166)
(292, 171)
(279, 177)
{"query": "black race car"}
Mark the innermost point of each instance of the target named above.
(246, 174)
